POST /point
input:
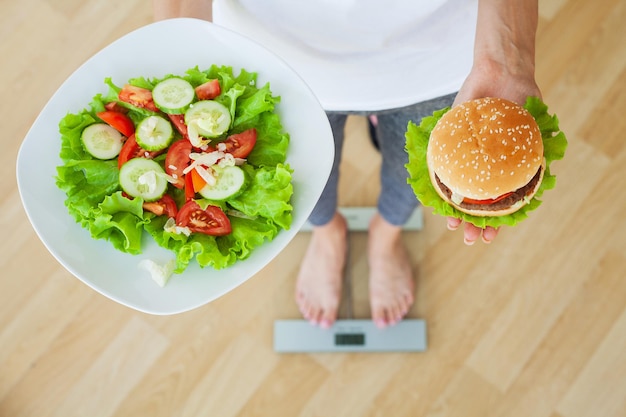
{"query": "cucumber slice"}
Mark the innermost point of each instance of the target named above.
(154, 133)
(102, 141)
(230, 181)
(173, 95)
(145, 178)
(209, 118)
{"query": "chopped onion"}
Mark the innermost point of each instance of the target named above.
(206, 159)
(206, 175)
(457, 198)
(171, 227)
(228, 160)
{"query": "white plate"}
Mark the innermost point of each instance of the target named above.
(161, 48)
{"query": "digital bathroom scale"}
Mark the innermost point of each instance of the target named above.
(299, 336)
(351, 335)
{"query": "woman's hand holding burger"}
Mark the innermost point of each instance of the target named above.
(504, 67)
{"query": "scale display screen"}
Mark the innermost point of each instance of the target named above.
(349, 339)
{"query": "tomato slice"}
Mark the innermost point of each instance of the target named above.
(209, 90)
(165, 205)
(115, 106)
(177, 159)
(190, 191)
(488, 201)
(138, 97)
(212, 221)
(241, 144)
(178, 120)
(131, 149)
(118, 121)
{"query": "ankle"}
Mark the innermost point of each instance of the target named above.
(337, 226)
(385, 241)
(382, 231)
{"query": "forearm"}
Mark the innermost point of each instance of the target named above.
(167, 9)
(505, 36)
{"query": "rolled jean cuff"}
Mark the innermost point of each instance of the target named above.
(395, 214)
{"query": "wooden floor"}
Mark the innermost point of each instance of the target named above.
(533, 325)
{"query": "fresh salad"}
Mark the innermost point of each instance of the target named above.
(196, 160)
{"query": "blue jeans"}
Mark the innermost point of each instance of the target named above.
(396, 201)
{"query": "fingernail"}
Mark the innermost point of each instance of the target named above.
(452, 228)
(487, 241)
(325, 324)
(469, 242)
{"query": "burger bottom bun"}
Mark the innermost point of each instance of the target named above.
(487, 212)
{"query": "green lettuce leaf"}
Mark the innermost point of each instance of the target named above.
(268, 195)
(417, 137)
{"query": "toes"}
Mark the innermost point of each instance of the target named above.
(390, 309)
(398, 312)
(391, 305)
(304, 310)
(380, 321)
(385, 317)
(328, 316)
(326, 323)
(321, 318)
(379, 316)
(393, 311)
(307, 310)
(316, 315)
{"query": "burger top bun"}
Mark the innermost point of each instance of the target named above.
(484, 148)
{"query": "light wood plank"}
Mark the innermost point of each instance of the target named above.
(20, 346)
(607, 368)
(121, 366)
(232, 379)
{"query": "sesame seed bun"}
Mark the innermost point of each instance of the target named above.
(482, 150)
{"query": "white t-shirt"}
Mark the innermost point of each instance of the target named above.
(363, 54)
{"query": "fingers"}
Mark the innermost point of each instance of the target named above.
(472, 233)
(453, 223)
(489, 234)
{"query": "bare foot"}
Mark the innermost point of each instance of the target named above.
(391, 276)
(318, 288)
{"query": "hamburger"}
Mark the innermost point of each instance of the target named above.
(485, 157)
(487, 213)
